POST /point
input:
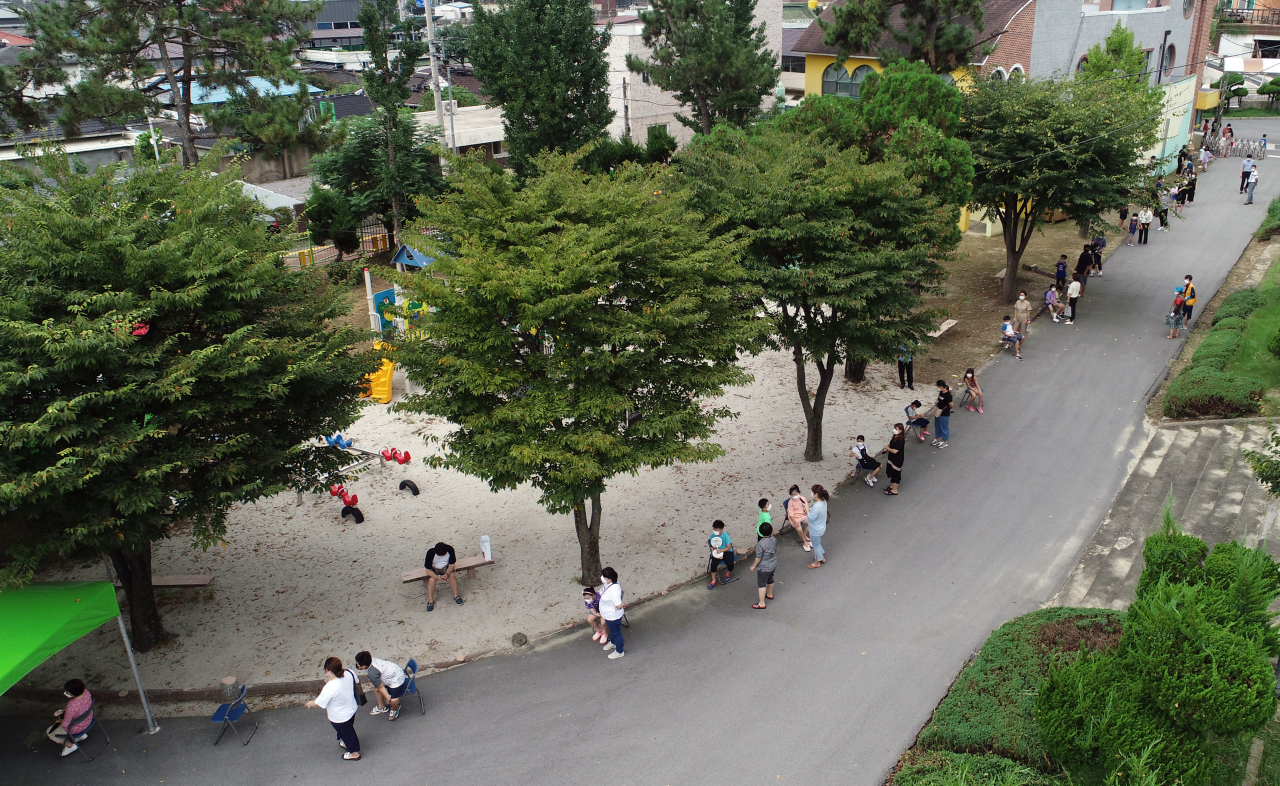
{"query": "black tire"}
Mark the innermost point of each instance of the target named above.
(354, 513)
(409, 484)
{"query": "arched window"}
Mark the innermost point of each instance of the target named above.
(1169, 55)
(1084, 61)
(1017, 69)
(998, 75)
(837, 81)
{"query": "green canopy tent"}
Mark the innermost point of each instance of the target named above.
(41, 619)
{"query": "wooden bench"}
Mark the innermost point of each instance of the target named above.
(187, 584)
(944, 327)
(469, 564)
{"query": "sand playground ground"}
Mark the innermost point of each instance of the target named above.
(297, 583)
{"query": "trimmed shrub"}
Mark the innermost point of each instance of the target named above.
(1217, 349)
(944, 768)
(1209, 392)
(991, 706)
(1241, 586)
(1241, 304)
(1273, 344)
(1230, 323)
(1270, 222)
(1171, 555)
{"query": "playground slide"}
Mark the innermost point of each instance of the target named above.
(380, 382)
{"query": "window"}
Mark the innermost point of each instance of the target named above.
(837, 81)
(1187, 7)
(793, 65)
(1084, 61)
(339, 25)
(998, 75)
(644, 77)
(1169, 55)
(354, 25)
(324, 25)
(1017, 70)
(947, 79)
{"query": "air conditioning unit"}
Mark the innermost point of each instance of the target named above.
(450, 107)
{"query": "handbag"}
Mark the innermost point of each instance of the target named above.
(357, 689)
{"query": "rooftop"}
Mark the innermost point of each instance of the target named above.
(221, 95)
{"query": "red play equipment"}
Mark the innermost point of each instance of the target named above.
(348, 499)
(391, 454)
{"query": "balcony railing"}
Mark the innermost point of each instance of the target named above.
(1256, 16)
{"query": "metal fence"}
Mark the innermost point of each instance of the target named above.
(1236, 148)
(1252, 16)
(373, 238)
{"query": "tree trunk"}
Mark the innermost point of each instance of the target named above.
(180, 90)
(391, 168)
(588, 540)
(855, 370)
(1016, 226)
(134, 572)
(813, 409)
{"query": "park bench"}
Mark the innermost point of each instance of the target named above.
(469, 564)
(187, 584)
(943, 328)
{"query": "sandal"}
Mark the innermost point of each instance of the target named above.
(813, 565)
(758, 606)
(768, 597)
(351, 756)
(712, 585)
(889, 493)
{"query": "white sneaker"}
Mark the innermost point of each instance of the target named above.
(377, 710)
(934, 443)
(808, 547)
(615, 655)
(71, 750)
(608, 646)
(870, 482)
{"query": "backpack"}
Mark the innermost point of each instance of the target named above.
(1179, 300)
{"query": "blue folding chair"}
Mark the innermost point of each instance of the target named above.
(228, 714)
(411, 684)
(83, 736)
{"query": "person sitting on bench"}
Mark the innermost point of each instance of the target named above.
(440, 561)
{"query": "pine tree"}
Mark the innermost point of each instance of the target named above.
(579, 325)
(543, 61)
(710, 55)
(158, 365)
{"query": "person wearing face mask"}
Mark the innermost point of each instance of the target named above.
(1189, 300)
(868, 464)
(74, 719)
(975, 390)
(894, 452)
(942, 421)
(818, 525)
(1022, 313)
(612, 609)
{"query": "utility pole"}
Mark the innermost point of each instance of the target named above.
(453, 108)
(435, 69)
(626, 110)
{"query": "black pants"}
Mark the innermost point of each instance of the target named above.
(904, 374)
(347, 733)
(1244, 178)
(1072, 303)
(727, 559)
(1164, 218)
(1143, 229)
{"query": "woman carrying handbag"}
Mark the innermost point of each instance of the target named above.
(340, 698)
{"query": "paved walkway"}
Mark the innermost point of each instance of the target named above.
(833, 681)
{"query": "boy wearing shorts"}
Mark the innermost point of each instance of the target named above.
(721, 554)
(388, 682)
(765, 565)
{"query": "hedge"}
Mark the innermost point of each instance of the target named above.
(1201, 392)
(1217, 349)
(1241, 304)
(1230, 323)
(991, 706)
(1271, 223)
(944, 768)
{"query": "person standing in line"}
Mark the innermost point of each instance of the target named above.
(942, 420)
(1245, 170)
(766, 565)
(1165, 201)
(1252, 184)
(1189, 168)
(1052, 303)
(1073, 297)
(1099, 243)
(1179, 199)
(1191, 187)
(440, 562)
(1175, 320)
(905, 369)
(338, 700)
(1060, 270)
(975, 390)
(70, 728)
(1205, 157)
(612, 609)
(895, 452)
(388, 682)
(1124, 215)
(1084, 262)
(763, 518)
(1133, 231)
(1144, 225)
(865, 461)
(1182, 156)
(1188, 300)
(797, 509)
(818, 525)
(1022, 313)
(914, 418)
(1229, 138)
(721, 554)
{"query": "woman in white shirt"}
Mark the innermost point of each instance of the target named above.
(612, 609)
(338, 699)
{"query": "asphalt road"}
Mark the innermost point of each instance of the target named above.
(833, 681)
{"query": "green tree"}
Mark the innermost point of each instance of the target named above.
(1230, 85)
(710, 56)
(158, 365)
(372, 182)
(1117, 56)
(1044, 146)
(580, 323)
(944, 34)
(386, 82)
(1270, 89)
(329, 218)
(277, 124)
(463, 96)
(455, 41)
(197, 46)
(543, 61)
(842, 249)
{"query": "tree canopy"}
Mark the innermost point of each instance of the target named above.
(275, 124)
(580, 324)
(943, 34)
(711, 56)
(158, 365)
(543, 61)
(116, 43)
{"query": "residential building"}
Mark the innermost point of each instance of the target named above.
(97, 144)
(796, 18)
(337, 25)
(471, 128)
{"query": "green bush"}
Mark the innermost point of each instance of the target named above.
(1170, 555)
(1217, 349)
(944, 768)
(1230, 323)
(1209, 392)
(991, 706)
(1242, 584)
(1241, 304)
(1271, 223)
(1273, 344)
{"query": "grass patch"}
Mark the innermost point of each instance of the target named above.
(1252, 111)
(1269, 767)
(1271, 223)
(944, 768)
(1253, 360)
(991, 706)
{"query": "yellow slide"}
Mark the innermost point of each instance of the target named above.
(379, 385)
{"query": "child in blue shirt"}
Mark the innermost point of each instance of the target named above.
(1060, 272)
(721, 553)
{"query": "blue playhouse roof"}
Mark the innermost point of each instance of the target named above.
(412, 257)
(221, 95)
